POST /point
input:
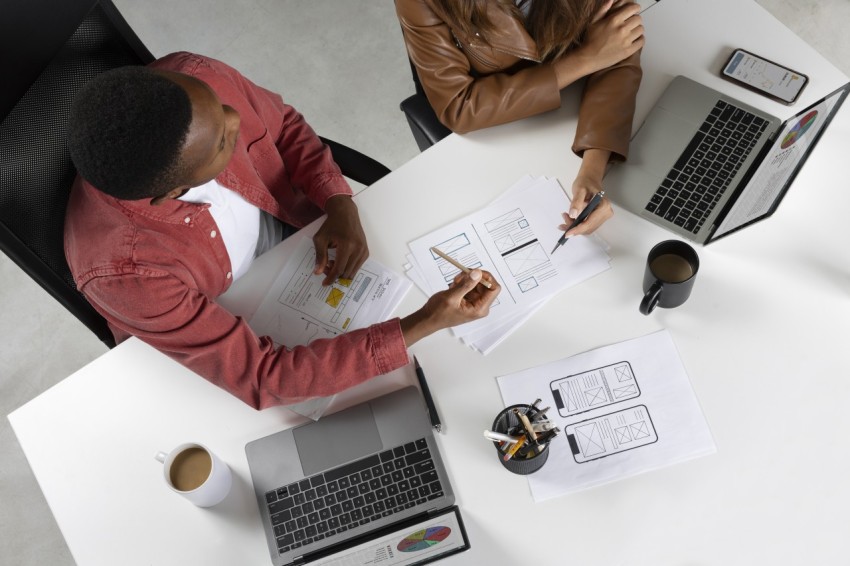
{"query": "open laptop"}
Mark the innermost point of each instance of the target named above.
(704, 165)
(365, 484)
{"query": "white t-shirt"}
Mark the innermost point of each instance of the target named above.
(238, 222)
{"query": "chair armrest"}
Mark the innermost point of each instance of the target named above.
(426, 127)
(355, 165)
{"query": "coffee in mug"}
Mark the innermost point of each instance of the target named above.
(197, 474)
(671, 268)
(190, 469)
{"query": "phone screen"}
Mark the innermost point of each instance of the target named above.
(765, 76)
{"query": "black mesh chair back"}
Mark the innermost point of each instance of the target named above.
(70, 41)
(36, 171)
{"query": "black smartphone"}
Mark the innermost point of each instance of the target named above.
(761, 75)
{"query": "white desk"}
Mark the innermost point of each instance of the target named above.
(762, 337)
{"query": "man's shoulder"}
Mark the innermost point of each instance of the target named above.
(230, 85)
(193, 64)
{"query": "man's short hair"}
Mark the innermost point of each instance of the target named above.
(126, 131)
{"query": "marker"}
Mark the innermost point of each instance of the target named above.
(429, 401)
(591, 206)
(499, 437)
(545, 437)
(542, 427)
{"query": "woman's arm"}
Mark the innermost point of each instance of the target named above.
(462, 101)
(608, 103)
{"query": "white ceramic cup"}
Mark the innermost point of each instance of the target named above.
(214, 489)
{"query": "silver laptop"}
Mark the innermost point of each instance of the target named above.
(330, 486)
(704, 165)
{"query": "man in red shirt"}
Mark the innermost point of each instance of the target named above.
(186, 171)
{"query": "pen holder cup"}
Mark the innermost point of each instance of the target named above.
(507, 423)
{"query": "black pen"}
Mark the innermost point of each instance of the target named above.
(429, 401)
(591, 206)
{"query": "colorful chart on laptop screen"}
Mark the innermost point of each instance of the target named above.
(799, 129)
(424, 539)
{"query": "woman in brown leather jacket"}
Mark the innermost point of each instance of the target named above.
(487, 62)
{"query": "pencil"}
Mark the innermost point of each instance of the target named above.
(460, 266)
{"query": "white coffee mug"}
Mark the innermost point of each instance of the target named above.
(203, 492)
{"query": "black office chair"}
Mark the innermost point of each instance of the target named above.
(50, 49)
(426, 127)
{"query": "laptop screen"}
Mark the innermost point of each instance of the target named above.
(778, 167)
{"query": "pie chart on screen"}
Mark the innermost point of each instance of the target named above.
(424, 539)
(799, 129)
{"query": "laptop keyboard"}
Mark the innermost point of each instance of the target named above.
(353, 494)
(706, 167)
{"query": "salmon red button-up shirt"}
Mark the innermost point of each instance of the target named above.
(155, 271)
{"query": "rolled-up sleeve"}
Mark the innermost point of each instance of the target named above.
(221, 347)
(608, 108)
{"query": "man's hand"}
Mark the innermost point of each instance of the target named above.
(465, 300)
(343, 232)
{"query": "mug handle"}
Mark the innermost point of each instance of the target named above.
(160, 457)
(651, 298)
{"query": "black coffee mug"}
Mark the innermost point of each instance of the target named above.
(671, 268)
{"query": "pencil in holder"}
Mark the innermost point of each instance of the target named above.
(527, 459)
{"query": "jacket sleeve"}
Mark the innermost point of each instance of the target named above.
(462, 101)
(608, 108)
(309, 161)
(206, 338)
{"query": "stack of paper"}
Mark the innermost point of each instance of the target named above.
(512, 238)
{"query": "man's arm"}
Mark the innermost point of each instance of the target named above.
(208, 339)
(310, 166)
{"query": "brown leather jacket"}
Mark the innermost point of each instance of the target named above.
(473, 85)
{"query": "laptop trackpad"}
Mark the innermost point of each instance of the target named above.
(337, 439)
(660, 141)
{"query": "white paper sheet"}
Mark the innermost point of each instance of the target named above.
(512, 238)
(622, 410)
(298, 309)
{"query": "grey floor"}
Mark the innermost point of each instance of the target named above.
(342, 64)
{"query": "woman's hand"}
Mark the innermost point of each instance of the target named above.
(587, 183)
(615, 34)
